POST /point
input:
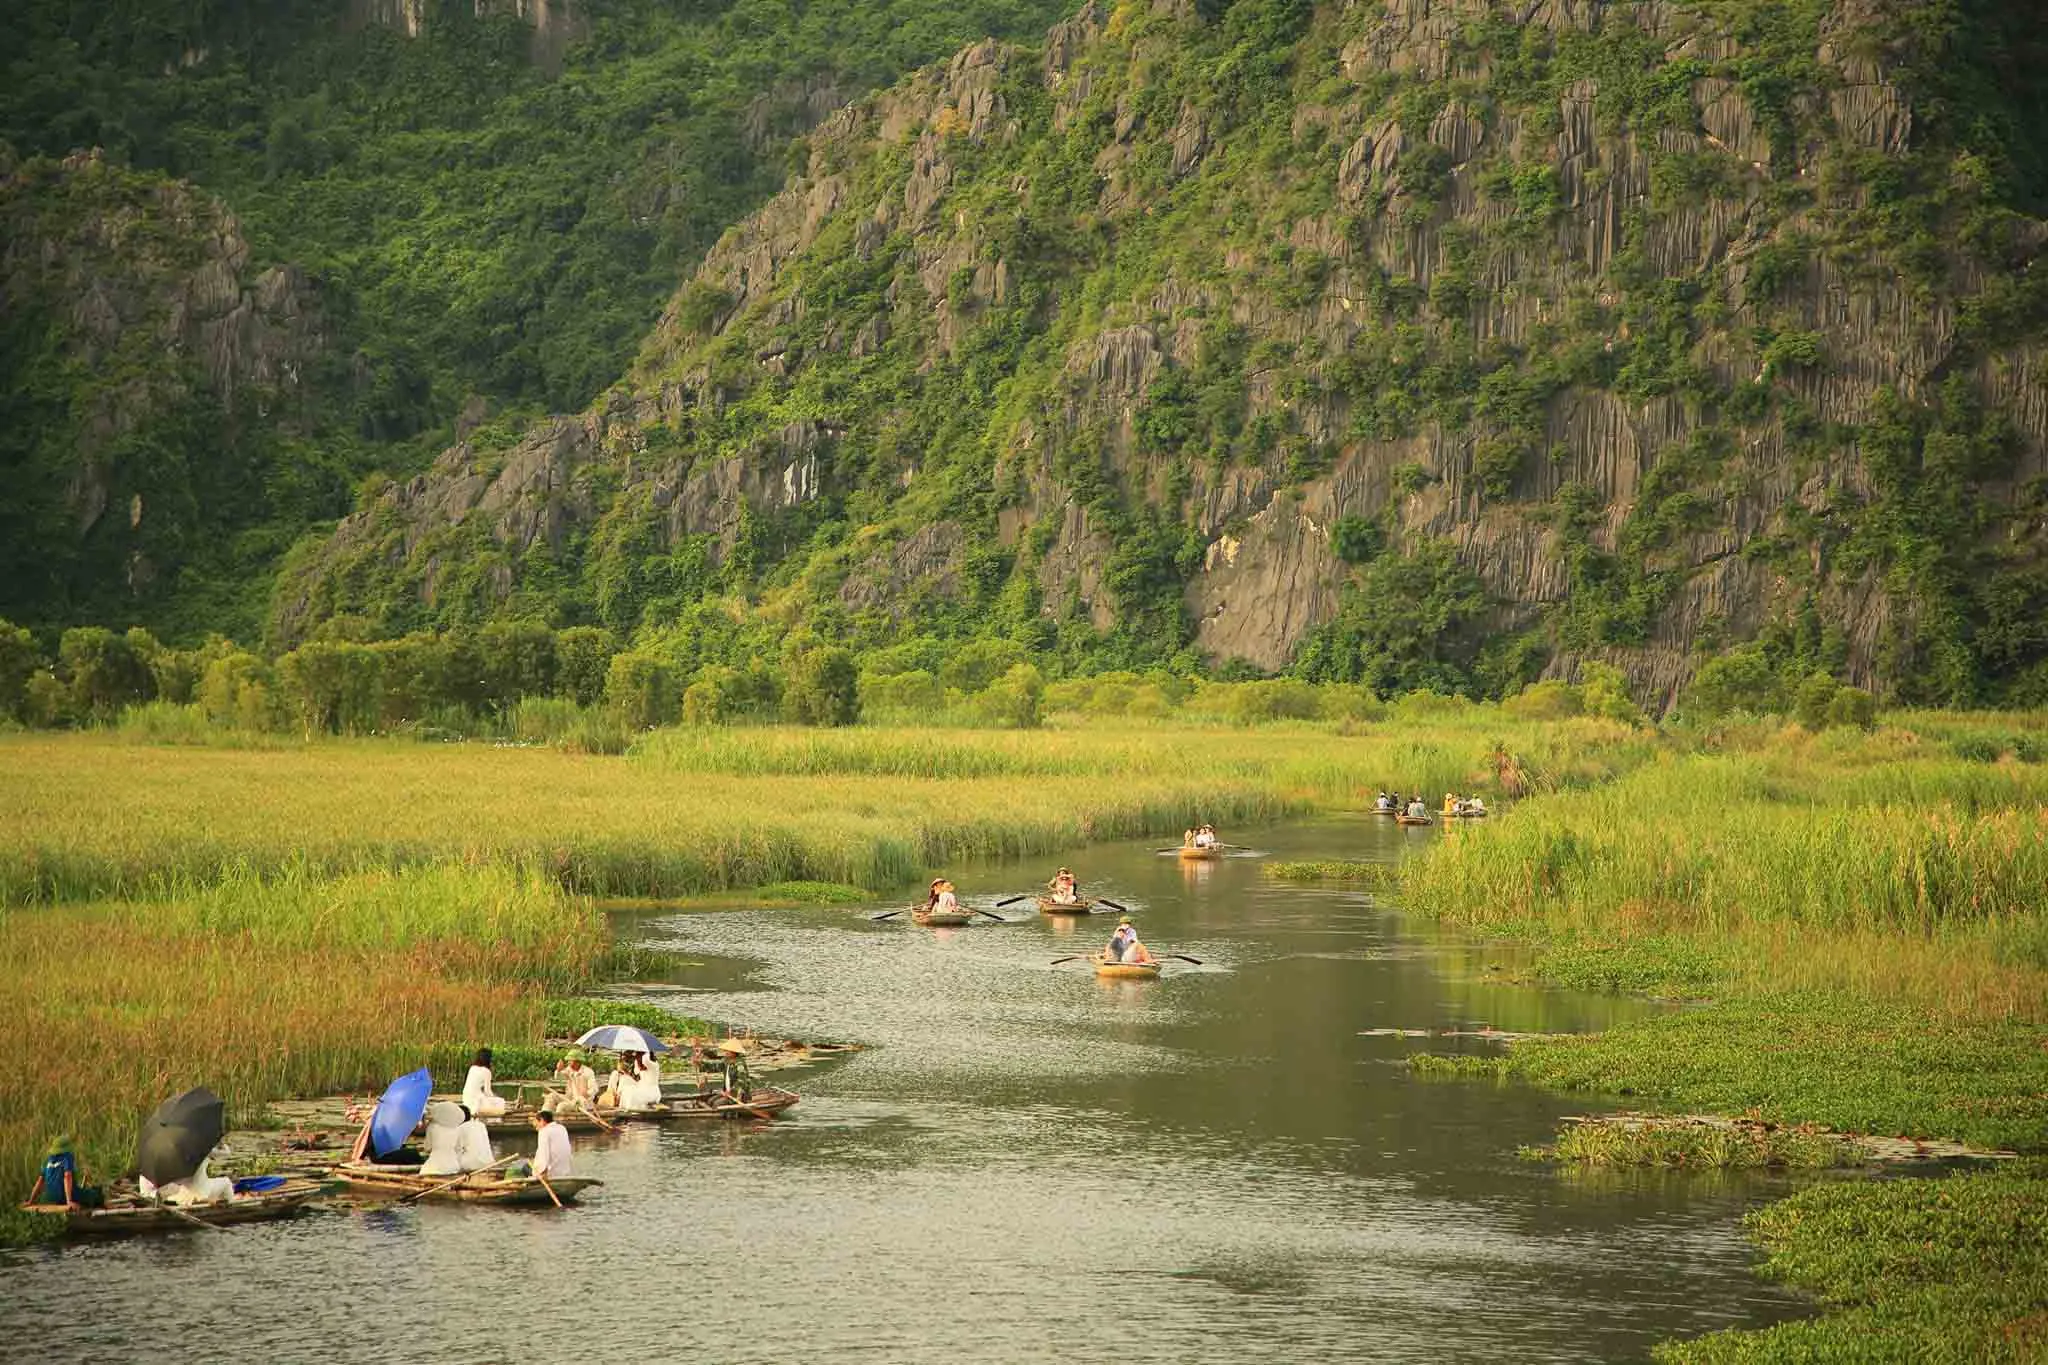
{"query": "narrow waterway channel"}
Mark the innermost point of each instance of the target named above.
(1027, 1164)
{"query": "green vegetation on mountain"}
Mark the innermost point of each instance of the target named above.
(1429, 347)
(484, 215)
(1417, 348)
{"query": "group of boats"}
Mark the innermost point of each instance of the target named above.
(365, 1176)
(1124, 959)
(1413, 810)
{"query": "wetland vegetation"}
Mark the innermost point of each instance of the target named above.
(1850, 913)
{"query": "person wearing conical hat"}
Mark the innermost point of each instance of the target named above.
(444, 1135)
(1124, 945)
(578, 1082)
(58, 1181)
(944, 901)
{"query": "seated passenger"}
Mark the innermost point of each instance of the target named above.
(443, 1139)
(477, 1096)
(473, 1144)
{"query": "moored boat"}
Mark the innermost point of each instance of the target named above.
(763, 1101)
(148, 1215)
(1126, 971)
(478, 1187)
(1082, 906)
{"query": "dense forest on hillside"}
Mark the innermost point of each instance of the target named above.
(1409, 345)
(1429, 345)
(479, 216)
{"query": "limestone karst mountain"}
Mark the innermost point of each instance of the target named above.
(1429, 342)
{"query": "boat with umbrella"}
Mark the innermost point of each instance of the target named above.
(176, 1140)
(397, 1114)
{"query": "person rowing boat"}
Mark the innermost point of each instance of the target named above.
(1125, 947)
(1065, 890)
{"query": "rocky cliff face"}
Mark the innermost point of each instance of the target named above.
(1675, 323)
(134, 322)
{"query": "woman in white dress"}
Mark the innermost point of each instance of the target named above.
(645, 1090)
(444, 1139)
(473, 1144)
(477, 1095)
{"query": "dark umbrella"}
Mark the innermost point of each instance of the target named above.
(177, 1137)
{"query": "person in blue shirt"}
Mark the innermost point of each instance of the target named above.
(59, 1184)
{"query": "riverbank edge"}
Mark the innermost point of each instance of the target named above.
(1901, 1269)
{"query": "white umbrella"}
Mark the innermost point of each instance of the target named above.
(623, 1038)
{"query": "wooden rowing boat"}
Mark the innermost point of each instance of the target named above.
(147, 1215)
(1473, 814)
(941, 919)
(688, 1104)
(1415, 819)
(1126, 971)
(1385, 810)
(1048, 906)
(479, 1187)
(1190, 854)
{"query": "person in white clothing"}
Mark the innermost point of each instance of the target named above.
(551, 1150)
(196, 1188)
(477, 1095)
(444, 1138)
(473, 1144)
(645, 1091)
(578, 1082)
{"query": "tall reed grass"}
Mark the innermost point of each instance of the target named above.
(262, 990)
(1933, 868)
(707, 810)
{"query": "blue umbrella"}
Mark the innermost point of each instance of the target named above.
(623, 1038)
(398, 1113)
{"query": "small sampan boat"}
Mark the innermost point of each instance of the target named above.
(1079, 906)
(1189, 853)
(478, 1187)
(147, 1215)
(940, 919)
(1414, 820)
(1126, 971)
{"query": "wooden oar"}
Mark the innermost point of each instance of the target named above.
(1184, 958)
(1114, 905)
(1075, 958)
(422, 1194)
(885, 914)
(741, 1104)
(1013, 900)
(201, 1222)
(549, 1188)
(991, 914)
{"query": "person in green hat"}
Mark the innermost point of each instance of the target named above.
(59, 1183)
(578, 1082)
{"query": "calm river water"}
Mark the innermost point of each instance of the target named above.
(1028, 1164)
